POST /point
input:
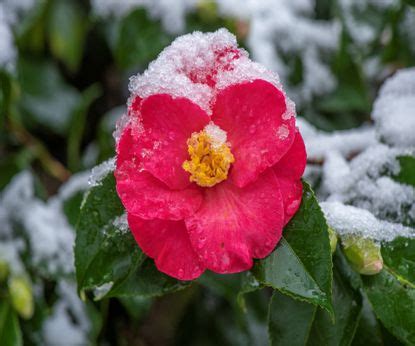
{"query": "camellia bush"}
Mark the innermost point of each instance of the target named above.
(207, 172)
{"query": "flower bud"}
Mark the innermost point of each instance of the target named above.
(4, 270)
(333, 239)
(363, 254)
(20, 290)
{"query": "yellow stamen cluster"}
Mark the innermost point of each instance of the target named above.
(209, 161)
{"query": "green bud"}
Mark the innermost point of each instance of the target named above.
(4, 270)
(333, 239)
(363, 254)
(20, 290)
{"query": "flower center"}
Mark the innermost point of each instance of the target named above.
(210, 156)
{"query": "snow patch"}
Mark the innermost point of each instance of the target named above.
(216, 134)
(68, 324)
(393, 110)
(347, 219)
(100, 172)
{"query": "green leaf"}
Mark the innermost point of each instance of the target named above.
(107, 259)
(146, 281)
(249, 284)
(399, 256)
(31, 28)
(369, 332)
(301, 265)
(347, 307)
(407, 173)
(393, 303)
(289, 320)
(103, 254)
(78, 125)
(224, 285)
(72, 208)
(67, 32)
(46, 100)
(227, 286)
(283, 270)
(136, 306)
(139, 40)
(10, 333)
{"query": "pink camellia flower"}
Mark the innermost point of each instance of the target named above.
(209, 159)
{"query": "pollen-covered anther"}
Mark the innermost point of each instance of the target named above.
(210, 156)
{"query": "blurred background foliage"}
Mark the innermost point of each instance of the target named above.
(59, 102)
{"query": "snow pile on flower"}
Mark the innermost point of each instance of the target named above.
(193, 64)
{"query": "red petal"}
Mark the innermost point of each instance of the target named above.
(146, 196)
(289, 171)
(168, 243)
(233, 225)
(292, 192)
(293, 163)
(168, 123)
(251, 113)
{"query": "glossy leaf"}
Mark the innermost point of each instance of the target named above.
(301, 265)
(107, 259)
(369, 332)
(289, 320)
(146, 281)
(248, 284)
(393, 303)
(399, 257)
(284, 271)
(347, 307)
(103, 254)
